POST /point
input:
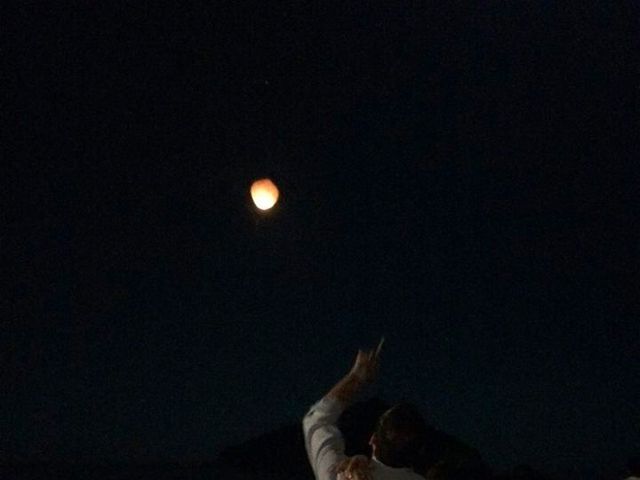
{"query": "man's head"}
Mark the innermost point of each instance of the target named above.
(398, 436)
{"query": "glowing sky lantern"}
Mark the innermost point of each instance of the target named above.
(264, 193)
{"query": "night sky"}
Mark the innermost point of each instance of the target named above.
(454, 176)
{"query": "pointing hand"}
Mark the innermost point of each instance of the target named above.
(366, 364)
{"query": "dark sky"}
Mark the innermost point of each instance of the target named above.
(455, 177)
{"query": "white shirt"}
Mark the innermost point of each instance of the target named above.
(325, 445)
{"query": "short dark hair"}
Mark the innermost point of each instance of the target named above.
(400, 433)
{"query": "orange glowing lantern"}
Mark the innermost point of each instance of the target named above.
(264, 193)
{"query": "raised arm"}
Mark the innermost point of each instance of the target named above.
(323, 440)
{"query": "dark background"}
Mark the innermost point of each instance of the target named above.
(455, 177)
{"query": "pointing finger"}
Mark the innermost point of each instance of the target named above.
(379, 348)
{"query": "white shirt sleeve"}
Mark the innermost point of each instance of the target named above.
(323, 440)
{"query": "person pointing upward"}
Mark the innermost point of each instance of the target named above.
(395, 443)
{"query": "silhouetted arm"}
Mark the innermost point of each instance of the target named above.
(323, 440)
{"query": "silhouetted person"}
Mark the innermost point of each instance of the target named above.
(395, 443)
